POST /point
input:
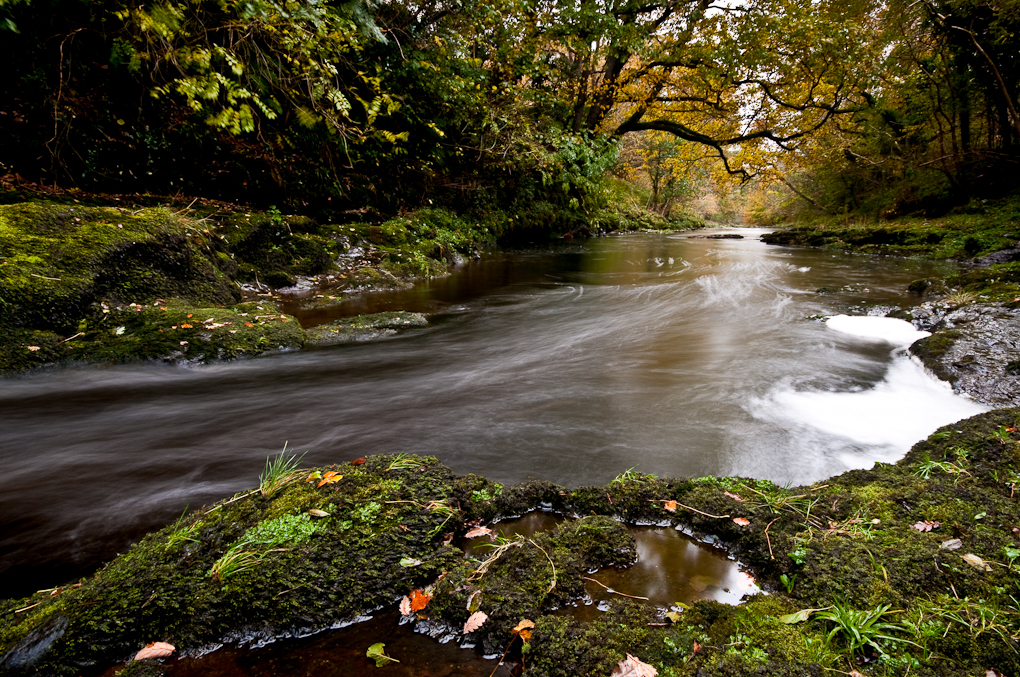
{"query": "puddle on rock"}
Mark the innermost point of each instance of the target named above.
(671, 567)
(341, 653)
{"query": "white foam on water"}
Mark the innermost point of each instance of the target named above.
(855, 428)
(897, 332)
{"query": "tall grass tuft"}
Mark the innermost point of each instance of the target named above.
(279, 472)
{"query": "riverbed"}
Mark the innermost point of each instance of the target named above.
(677, 355)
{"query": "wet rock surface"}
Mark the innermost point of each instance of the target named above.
(975, 347)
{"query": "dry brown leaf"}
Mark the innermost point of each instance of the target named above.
(696, 648)
(735, 497)
(926, 525)
(419, 600)
(155, 650)
(523, 629)
(854, 673)
(976, 562)
(670, 506)
(633, 667)
(358, 461)
(478, 531)
(315, 512)
(475, 621)
(405, 606)
(741, 521)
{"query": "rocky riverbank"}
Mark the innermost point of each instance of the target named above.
(904, 567)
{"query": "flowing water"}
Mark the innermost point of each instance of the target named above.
(680, 356)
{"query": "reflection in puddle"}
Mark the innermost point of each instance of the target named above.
(671, 567)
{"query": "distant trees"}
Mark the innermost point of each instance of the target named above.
(391, 103)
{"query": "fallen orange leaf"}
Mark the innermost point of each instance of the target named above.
(478, 531)
(329, 478)
(189, 314)
(185, 326)
(358, 461)
(741, 521)
(248, 324)
(670, 506)
(523, 629)
(419, 600)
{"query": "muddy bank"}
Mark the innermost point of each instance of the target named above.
(927, 546)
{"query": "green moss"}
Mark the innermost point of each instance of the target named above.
(389, 519)
(362, 327)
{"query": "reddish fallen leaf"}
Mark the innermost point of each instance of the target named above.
(741, 521)
(475, 621)
(419, 600)
(926, 525)
(478, 531)
(358, 461)
(696, 648)
(633, 667)
(155, 650)
(405, 606)
(248, 324)
(329, 478)
(185, 326)
(670, 506)
(734, 496)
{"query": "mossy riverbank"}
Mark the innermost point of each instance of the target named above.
(927, 549)
(985, 236)
(196, 282)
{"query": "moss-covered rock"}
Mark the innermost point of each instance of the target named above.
(928, 547)
(364, 327)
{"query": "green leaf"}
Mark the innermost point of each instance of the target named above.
(409, 561)
(798, 617)
(376, 653)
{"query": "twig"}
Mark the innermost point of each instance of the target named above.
(553, 584)
(236, 498)
(81, 333)
(769, 540)
(615, 592)
(18, 611)
(54, 279)
(718, 517)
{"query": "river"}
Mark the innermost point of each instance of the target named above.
(677, 355)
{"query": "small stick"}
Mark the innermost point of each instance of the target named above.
(615, 592)
(81, 333)
(238, 498)
(18, 611)
(718, 517)
(769, 540)
(54, 279)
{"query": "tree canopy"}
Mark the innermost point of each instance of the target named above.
(483, 105)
